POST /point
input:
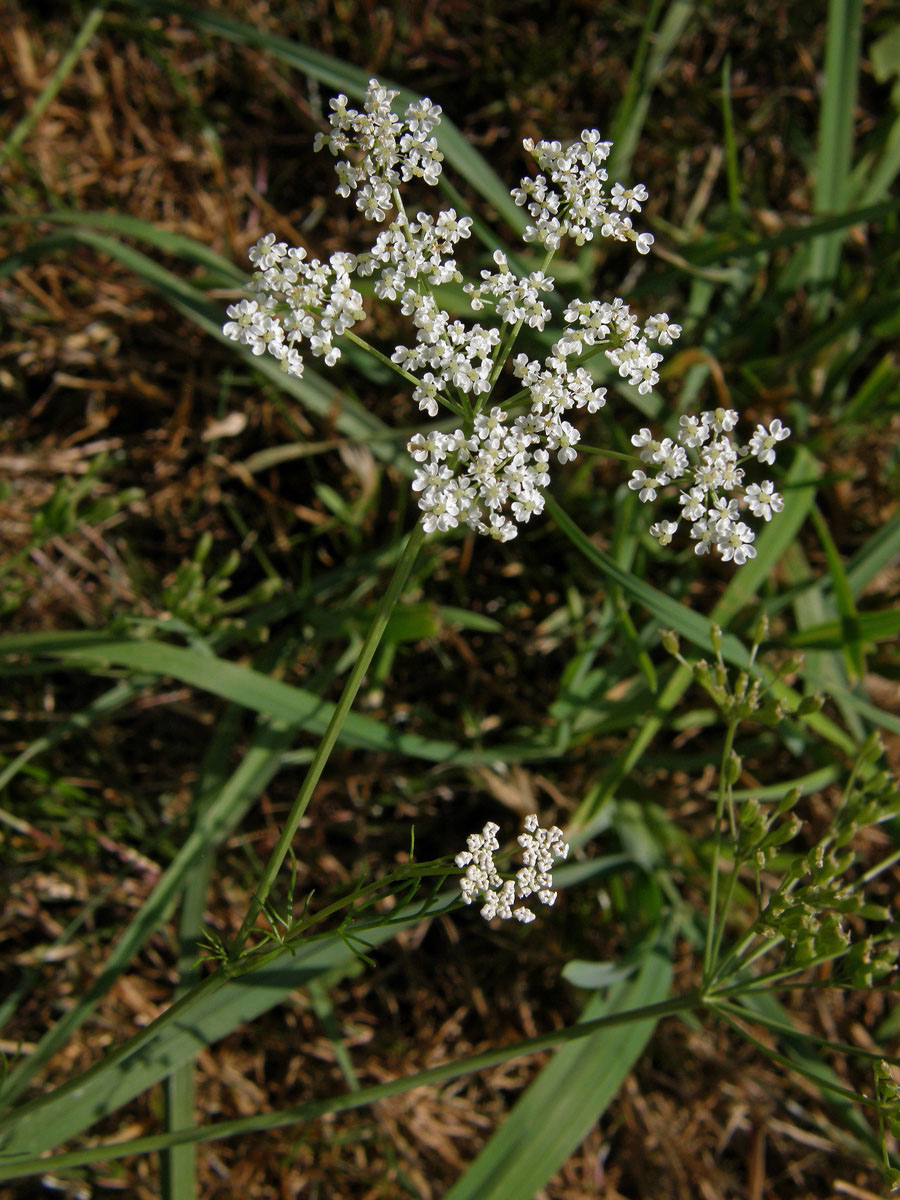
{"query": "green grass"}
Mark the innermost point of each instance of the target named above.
(545, 657)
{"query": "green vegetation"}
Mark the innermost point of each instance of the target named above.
(217, 928)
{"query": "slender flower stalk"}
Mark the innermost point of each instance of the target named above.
(314, 772)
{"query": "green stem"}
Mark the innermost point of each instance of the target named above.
(60, 75)
(388, 362)
(23, 1167)
(342, 708)
(791, 1031)
(873, 872)
(711, 925)
(604, 453)
(791, 1064)
(766, 983)
(507, 345)
(726, 908)
(735, 962)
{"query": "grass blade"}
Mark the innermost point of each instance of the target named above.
(566, 1100)
(51, 91)
(251, 689)
(835, 150)
(650, 59)
(353, 81)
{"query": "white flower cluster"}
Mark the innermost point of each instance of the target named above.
(489, 473)
(390, 151)
(293, 300)
(514, 300)
(571, 200)
(707, 463)
(541, 848)
(408, 251)
(595, 322)
(491, 479)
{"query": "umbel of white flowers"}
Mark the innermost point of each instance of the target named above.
(541, 848)
(490, 472)
(706, 464)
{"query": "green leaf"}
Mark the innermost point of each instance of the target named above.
(835, 150)
(353, 81)
(201, 1019)
(859, 630)
(566, 1100)
(251, 689)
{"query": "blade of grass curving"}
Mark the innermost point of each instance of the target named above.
(875, 174)
(873, 397)
(560, 1107)
(49, 93)
(841, 594)
(670, 614)
(340, 75)
(224, 1009)
(251, 689)
(863, 629)
(716, 250)
(811, 607)
(835, 149)
(351, 417)
(213, 825)
(167, 241)
(654, 48)
(242, 685)
(872, 557)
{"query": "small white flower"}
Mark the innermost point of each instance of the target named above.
(764, 500)
(664, 531)
(541, 848)
(764, 441)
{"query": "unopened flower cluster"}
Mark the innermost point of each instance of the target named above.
(541, 848)
(707, 465)
(490, 472)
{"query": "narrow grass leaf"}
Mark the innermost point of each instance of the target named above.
(654, 48)
(166, 241)
(562, 1105)
(48, 94)
(860, 630)
(212, 826)
(872, 557)
(242, 685)
(353, 81)
(835, 149)
(841, 593)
